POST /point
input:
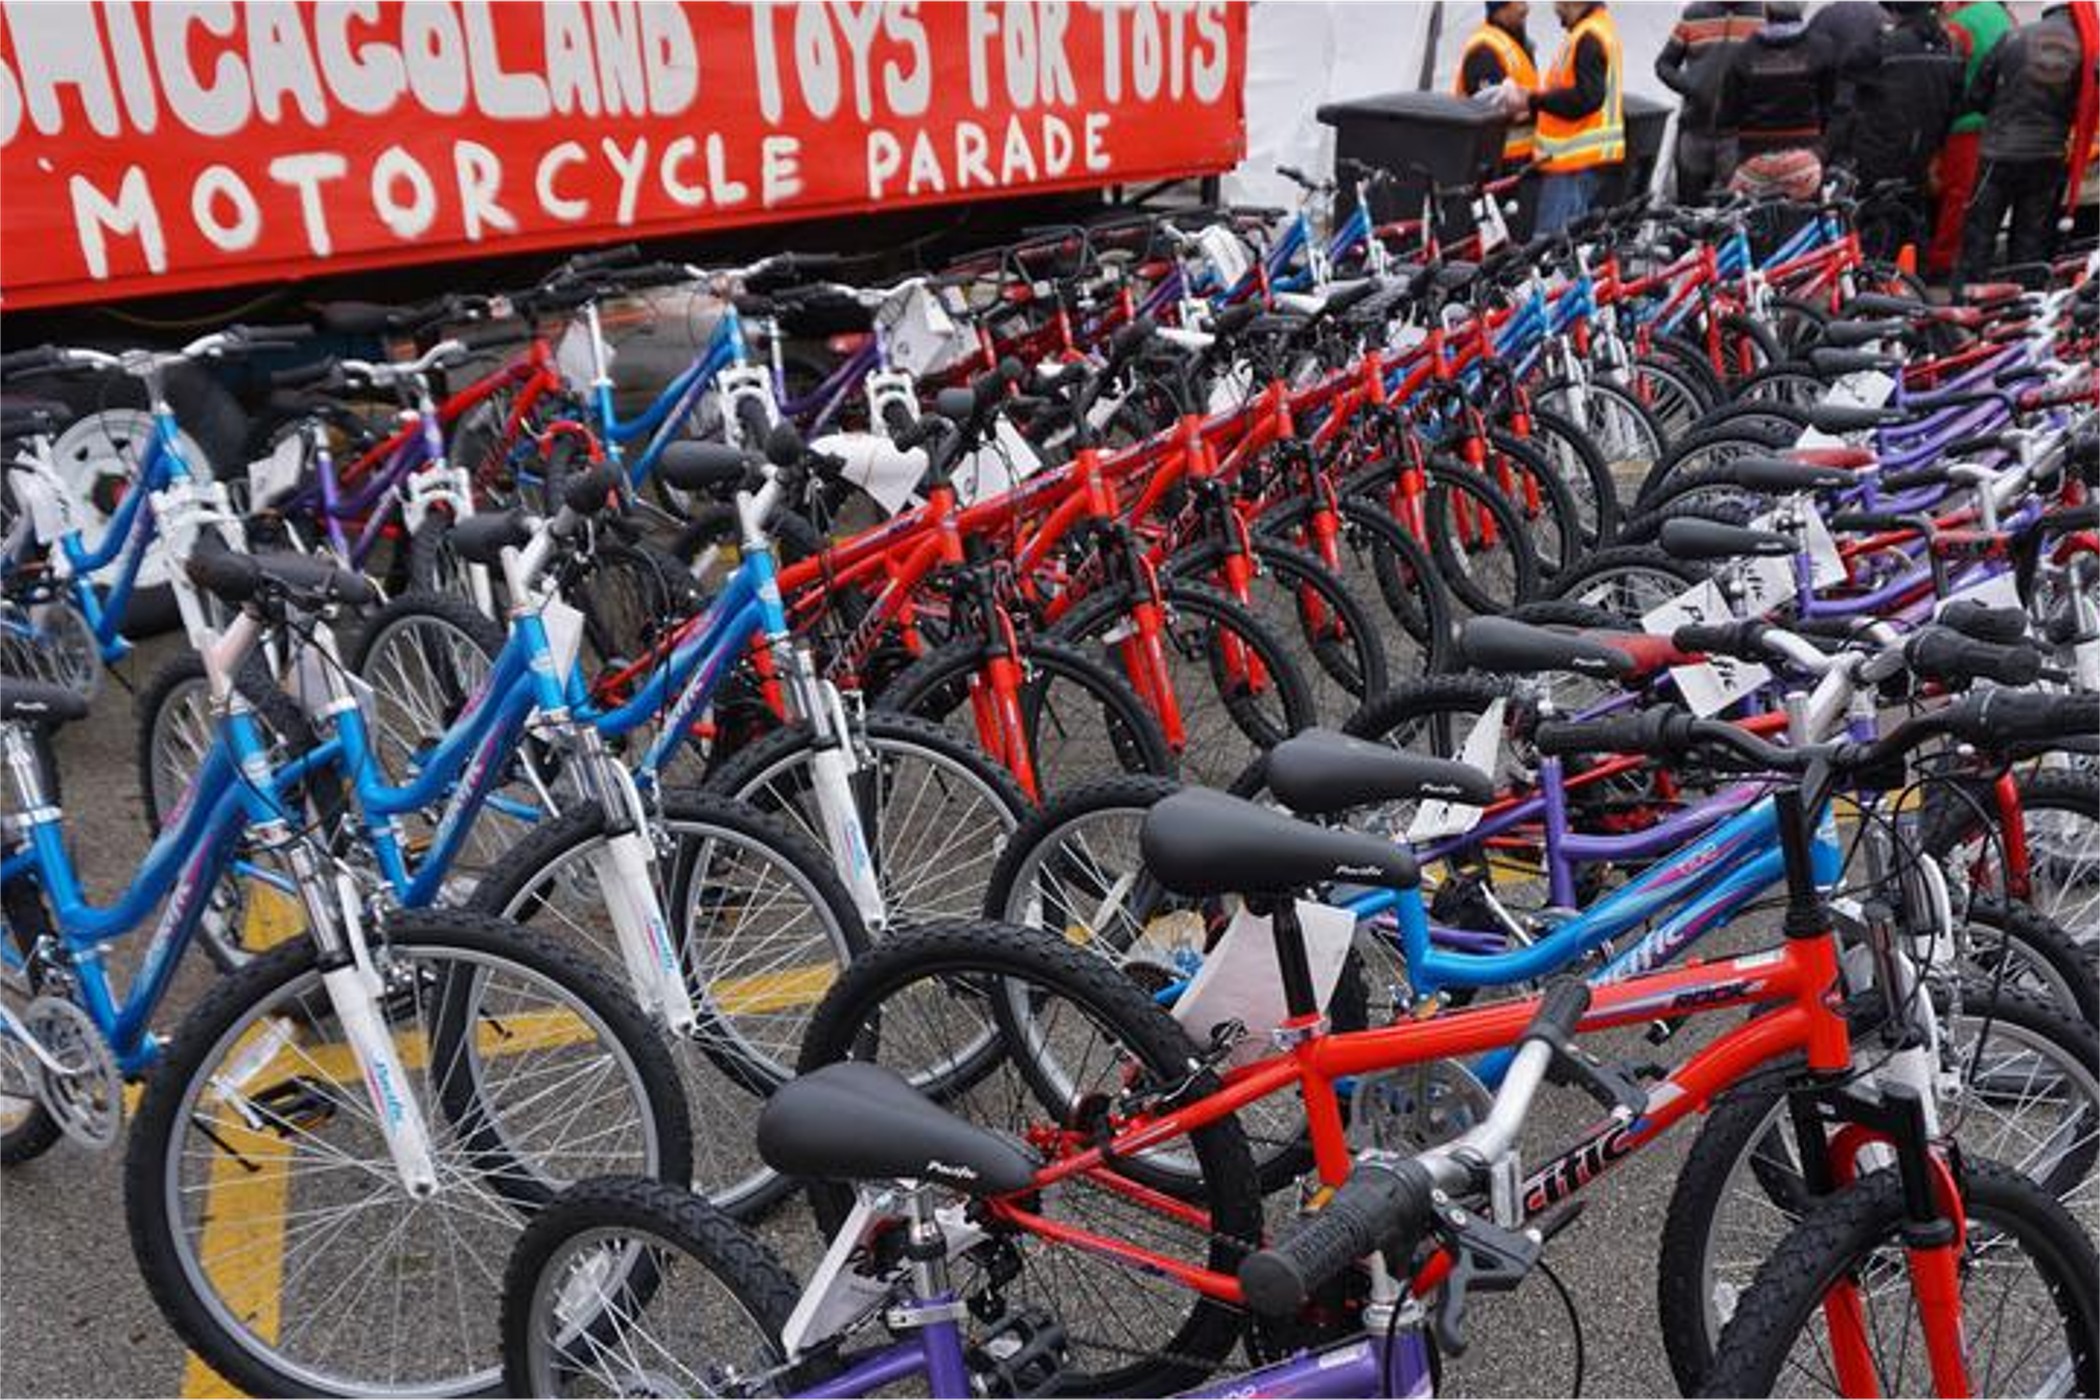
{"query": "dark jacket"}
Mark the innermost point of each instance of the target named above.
(1778, 91)
(2028, 92)
(1692, 62)
(1848, 31)
(1906, 92)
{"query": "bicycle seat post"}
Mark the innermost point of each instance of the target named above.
(1301, 1000)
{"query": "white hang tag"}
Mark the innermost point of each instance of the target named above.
(50, 508)
(921, 336)
(1715, 684)
(889, 474)
(572, 357)
(1231, 388)
(1998, 591)
(1482, 749)
(1000, 465)
(1238, 980)
(1226, 255)
(1488, 223)
(1867, 388)
(272, 475)
(1104, 408)
(1826, 562)
(1766, 583)
(564, 626)
(1813, 437)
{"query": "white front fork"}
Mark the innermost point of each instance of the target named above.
(626, 869)
(355, 992)
(833, 765)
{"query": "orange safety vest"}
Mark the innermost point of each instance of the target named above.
(1583, 143)
(1517, 66)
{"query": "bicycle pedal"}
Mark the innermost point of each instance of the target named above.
(1023, 1355)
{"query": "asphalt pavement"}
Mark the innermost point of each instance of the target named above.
(75, 1318)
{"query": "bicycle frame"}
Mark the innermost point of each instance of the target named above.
(232, 791)
(129, 535)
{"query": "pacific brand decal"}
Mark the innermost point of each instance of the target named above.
(936, 1167)
(1561, 1179)
(381, 1078)
(1359, 872)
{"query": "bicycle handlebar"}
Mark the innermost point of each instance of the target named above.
(1390, 1203)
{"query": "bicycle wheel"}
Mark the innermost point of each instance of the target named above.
(1075, 1037)
(272, 1228)
(1543, 500)
(763, 925)
(2028, 1299)
(1673, 391)
(626, 1286)
(2010, 945)
(1713, 446)
(1599, 444)
(933, 809)
(2034, 1097)
(1377, 560)
(427, 657)
(435, 567)
(2061, 807)
(1299, 599)
(1235, 682)
(1482, 551)
(1079, 719)
(1627, 581)
(244, 915)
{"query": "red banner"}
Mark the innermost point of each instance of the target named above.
(155, 147)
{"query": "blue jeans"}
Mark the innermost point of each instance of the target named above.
(1564, 198)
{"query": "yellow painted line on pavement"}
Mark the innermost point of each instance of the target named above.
(244, 1207)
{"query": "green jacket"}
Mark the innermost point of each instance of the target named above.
(1981, 25)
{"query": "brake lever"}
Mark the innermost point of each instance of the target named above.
(1485, 1258)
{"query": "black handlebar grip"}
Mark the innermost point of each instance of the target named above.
(1560, 1011)
(1375, 1204)
(1983, 623)
(1662, 732)
(925, 427)
(259, 336)
(1872, 522)
(585, 493)
(490, 334)
(1131, 338)
(2003, 719)
(1742, 640)
(25, 362)
(784, 446)
(603, 257)
(1942, 654)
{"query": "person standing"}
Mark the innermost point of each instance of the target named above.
(1777, 93)
(1581, 113)
(1848, 31)
(2028, 91)
(1690, 65)
(1906, 91)
(1499, 52)
(1976, 29)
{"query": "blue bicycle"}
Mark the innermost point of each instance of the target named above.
(389, 1064)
